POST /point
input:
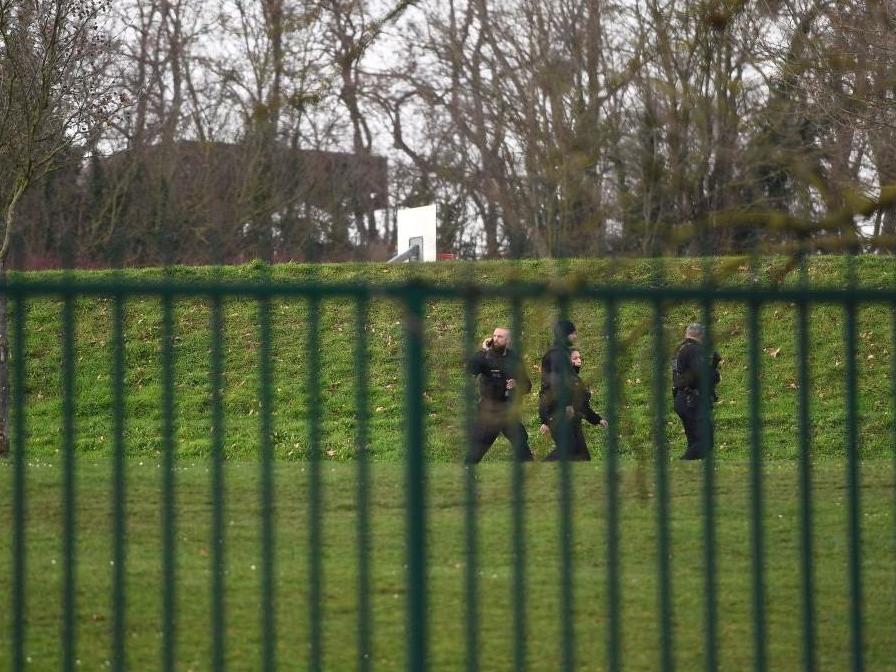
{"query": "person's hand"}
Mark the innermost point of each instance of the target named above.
(604, 423)
(487, 343)
(511, 383)
(544, 429)
(570, 412)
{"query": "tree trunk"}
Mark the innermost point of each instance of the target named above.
(885, 162)
(20, 185)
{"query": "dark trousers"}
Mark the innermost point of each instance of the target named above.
(576, 448)
(687, 406)
(490, 424)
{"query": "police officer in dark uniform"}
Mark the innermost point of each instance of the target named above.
(502, 378)
(688, 368)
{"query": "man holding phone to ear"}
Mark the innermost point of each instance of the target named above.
(502, 380)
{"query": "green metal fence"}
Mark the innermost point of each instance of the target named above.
(414, 296)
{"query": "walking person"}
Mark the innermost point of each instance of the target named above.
(578, 408)
(556, 367)
(688, 369)
(502, 381)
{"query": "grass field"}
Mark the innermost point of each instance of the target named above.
(447, 566)
(445, 403)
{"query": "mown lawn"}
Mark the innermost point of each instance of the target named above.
(447, 564)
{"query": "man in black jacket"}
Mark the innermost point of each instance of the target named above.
(502, 378)
(688, 369)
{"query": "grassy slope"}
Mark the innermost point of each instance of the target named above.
(445, 380)
(447, 565)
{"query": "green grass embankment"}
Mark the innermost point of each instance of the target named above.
(444, 386)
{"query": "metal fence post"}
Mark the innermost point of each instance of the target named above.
(416, 481)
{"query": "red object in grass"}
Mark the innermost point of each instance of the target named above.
(445, 256)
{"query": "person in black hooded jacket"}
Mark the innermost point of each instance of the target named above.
(555, 364)
(502, 378)
(578, 400)
(556, 375)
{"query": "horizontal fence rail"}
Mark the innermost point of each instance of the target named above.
(415, 643)
(509, 290)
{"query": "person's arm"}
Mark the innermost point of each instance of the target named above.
(590, 414)
(476, 363)
(545, 411)
(546, 407)
(716, 376)
(583, 404)
(522, 378)
(545, 371)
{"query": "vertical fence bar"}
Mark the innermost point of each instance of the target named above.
(564, 445)
(667, 660)
(852, 483)
(268, 601)
(893, 408)
(119, 490)
(760, 660)
(216, 381)
(805, 480)
(169, 510)
(415, 486)
(518, 511)
(756, 499)
(470, 509)
(365, 639)
(69, 499)
(705, 421)
(666, 635)
(709, 527)
(315, 592)
(19, 506)
(614, 617)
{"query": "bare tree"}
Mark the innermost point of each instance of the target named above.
(53, 96)
(530, 95)
(862, 49)
(541, 127)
